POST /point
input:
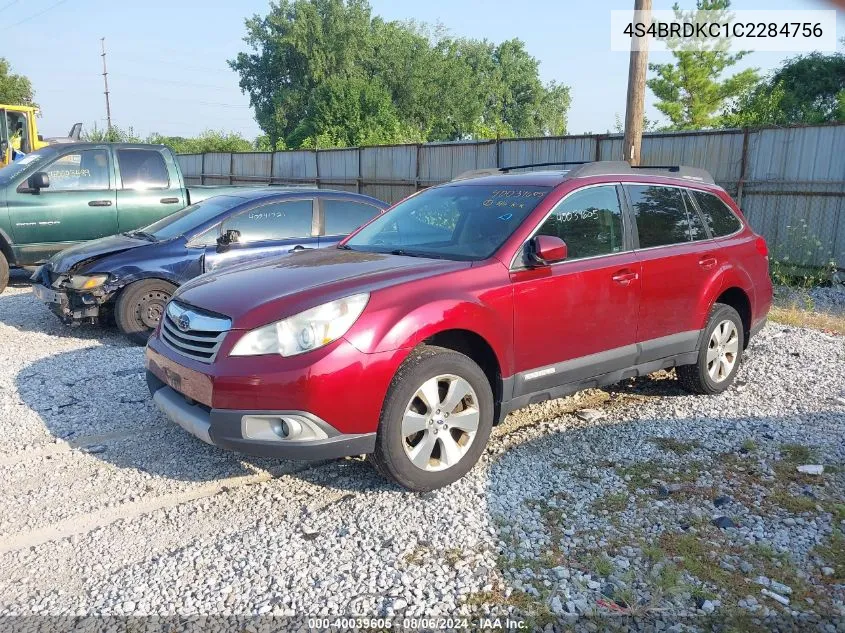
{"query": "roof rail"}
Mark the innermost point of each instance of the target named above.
(492, 171)
(613, 167)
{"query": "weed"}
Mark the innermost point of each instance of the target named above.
(833, 553)
(612, 502)
(673, 445)
(797, 453)
(749, 445)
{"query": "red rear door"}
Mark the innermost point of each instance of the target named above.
(677, 259)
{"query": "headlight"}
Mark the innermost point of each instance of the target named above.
(85, 282)
(304, 331)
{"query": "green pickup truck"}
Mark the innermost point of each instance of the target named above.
(65, 194)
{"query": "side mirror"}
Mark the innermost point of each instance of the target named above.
(546, 249)
(38, 180)
(227, 238)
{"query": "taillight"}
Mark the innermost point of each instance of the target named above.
(762, 247)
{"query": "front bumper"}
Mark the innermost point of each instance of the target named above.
(226, 428)
(68, 305)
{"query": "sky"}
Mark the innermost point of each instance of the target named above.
(167, 59)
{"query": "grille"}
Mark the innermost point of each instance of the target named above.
(193, 333)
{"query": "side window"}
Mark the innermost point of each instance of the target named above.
(696, 226)
(718, 216)
(274, 221)
(344, 216)
(79, 171)
(142, 169)
(661, 215)
(589, 221)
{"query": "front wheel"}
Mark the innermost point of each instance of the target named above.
(140, 307)
(4, 272)
(436, 420)
(719, 356)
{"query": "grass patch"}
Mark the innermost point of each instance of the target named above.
(612, 502)
(601, 565)
(749, 445)
(797, 453)
(798, 317)
(670, 444)
(642, 474)
(833, 553)
(653, 553)
(791, 502)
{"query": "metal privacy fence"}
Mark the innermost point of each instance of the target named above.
(782, 178)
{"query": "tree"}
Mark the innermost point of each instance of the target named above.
(692, 92)
(327, 73)
(15, 89)
(808, 89)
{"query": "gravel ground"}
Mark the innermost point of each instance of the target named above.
(830, 299)
(582, 509)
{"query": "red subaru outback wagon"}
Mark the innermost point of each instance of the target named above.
(423, 329)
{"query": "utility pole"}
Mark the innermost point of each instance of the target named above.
(106, 84)
(635, 108)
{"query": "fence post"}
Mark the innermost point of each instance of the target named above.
(498, 147)
(417, 171)
(317, 166)
(202, 169)
(231, 168)
(358, 180)
(272, 166)
(743, 165)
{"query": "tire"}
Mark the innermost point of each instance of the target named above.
(4, 272)
(445, 452)
(719, 354)
(140, 306)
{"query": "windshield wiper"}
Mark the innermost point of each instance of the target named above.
(405, 253)
(143, 235)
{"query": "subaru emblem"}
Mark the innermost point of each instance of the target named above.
(184, 322)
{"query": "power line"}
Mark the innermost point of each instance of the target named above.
(40, 13)
(6, 6)
(170, 81)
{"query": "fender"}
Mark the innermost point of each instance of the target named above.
(726, 276)
(406, 328)
(6, 247)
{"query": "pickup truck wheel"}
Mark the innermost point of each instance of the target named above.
(140, 307)
(719, 356)
(435, 421)
(4, 272)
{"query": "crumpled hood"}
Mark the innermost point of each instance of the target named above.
(299, 280)
(65, 260)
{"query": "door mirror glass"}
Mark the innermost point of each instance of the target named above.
(227, 238)
(546, 249)
(38, 180)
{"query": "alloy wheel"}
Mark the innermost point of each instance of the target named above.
(440, 422)
(722, 351)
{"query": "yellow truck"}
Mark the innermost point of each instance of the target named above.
(19, 134)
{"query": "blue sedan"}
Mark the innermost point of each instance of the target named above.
(132, 276)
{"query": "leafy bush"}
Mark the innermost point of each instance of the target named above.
(792, 260)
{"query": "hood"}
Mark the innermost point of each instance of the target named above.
(66, 260)
(300, 280)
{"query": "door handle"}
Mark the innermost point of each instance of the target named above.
(707, 262)
(624, 277)
(169, 200)
(100, 203)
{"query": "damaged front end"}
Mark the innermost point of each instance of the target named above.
(74, 298)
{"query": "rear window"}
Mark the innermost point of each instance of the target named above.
(142, 169)
(344, 216)
(191, 217)
(718, 216)
(664, 216)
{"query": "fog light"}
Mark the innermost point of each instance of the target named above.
(280, 428)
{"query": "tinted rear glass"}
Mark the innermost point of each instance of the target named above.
(661, 215)
(344, 216)
(717, 215)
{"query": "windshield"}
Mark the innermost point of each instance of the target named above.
(462, 222)
(191, 217)
(14, 169)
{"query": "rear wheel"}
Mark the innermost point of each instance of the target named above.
(436, 420)
(4, 272)
(140, 306)
(719, 356)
